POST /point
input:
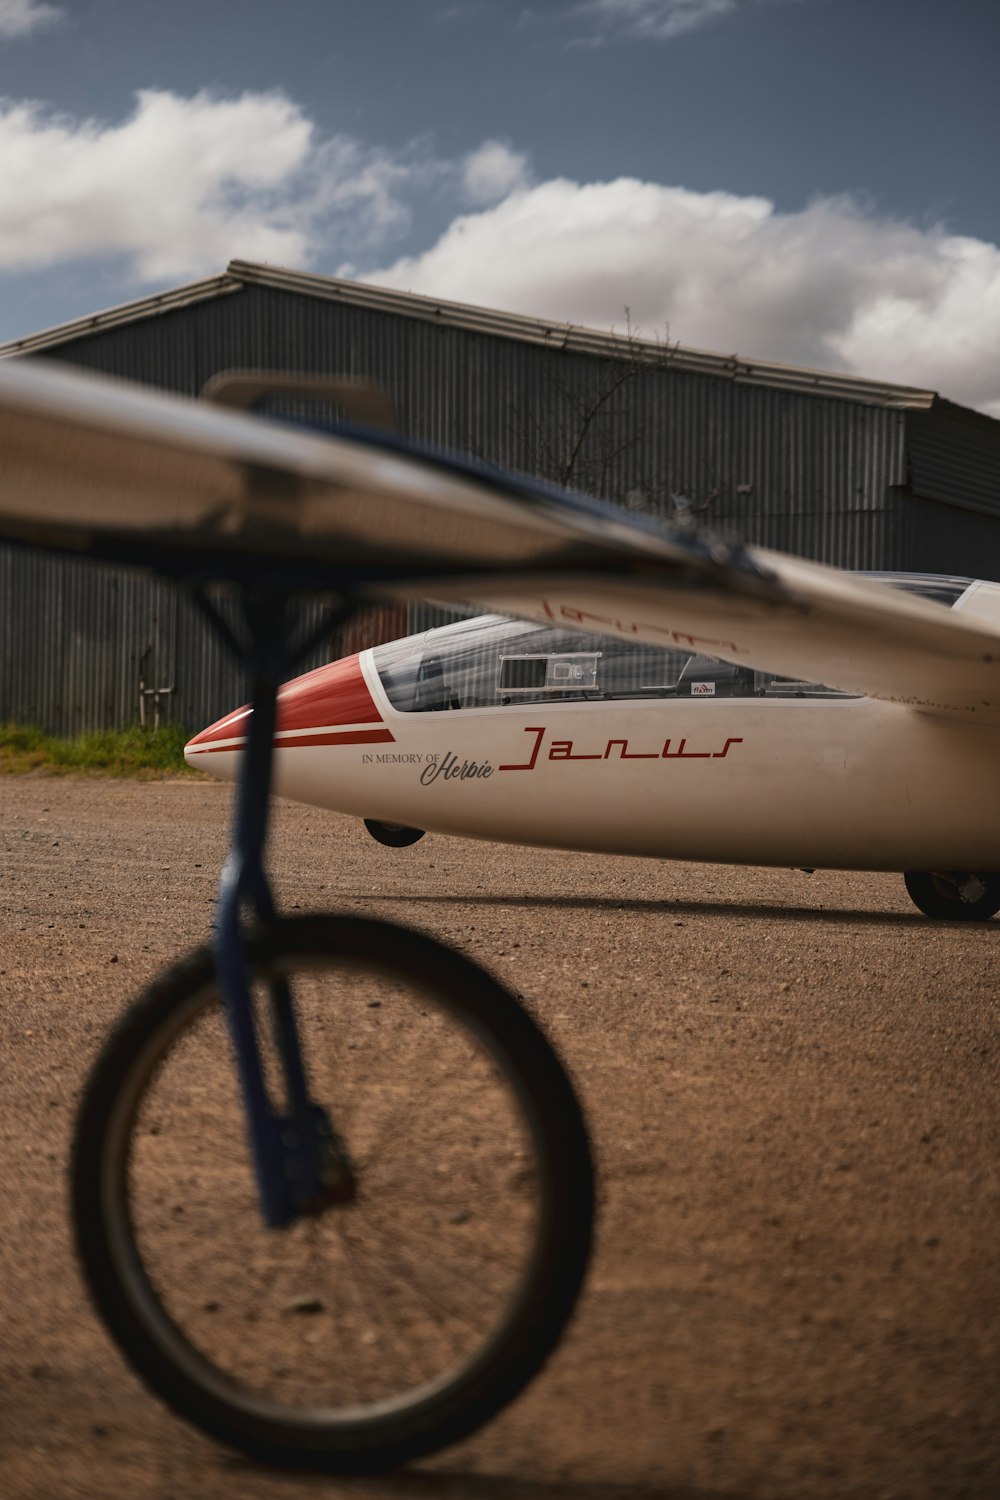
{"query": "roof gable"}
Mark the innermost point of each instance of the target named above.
(559, 336)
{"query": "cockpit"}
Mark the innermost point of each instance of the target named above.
(492, 661)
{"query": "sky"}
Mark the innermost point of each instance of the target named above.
(807, 181)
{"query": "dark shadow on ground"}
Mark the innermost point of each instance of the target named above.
(684, 909)
(428, 1483)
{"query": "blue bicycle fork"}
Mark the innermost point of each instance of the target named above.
(299, 1163)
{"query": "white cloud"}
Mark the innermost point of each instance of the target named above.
(653, 20)
(661, 20)
(21, 17)
(492, 172)
(832, 286)
(183, 184)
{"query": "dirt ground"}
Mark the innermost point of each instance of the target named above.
(791, 1083)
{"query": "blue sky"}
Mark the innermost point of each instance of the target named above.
(804, 180)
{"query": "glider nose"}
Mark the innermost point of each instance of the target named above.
(218, 747)
(332, 705)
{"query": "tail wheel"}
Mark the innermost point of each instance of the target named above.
(955, 895)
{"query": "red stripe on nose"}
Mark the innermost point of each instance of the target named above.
(232, 727)
(339, 737)
(336, 694)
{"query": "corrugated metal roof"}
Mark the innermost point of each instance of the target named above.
(570, 336)
(126, 312)
(565, 336)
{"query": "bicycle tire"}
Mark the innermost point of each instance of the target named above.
(155, 1095)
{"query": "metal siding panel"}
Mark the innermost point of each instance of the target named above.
(954, 457)
(940, 538)
(75, 636)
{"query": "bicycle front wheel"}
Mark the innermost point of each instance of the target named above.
(387, 1326)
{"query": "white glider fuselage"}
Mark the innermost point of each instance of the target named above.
(816, 781)
(850, 784)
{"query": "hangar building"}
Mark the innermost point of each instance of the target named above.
(858, 473)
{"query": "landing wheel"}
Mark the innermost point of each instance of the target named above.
(395, 835)
(956, 895)
(386, 1326)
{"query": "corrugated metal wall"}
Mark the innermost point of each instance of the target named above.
(818, 476)
(79, 642)
(953, 457)
(73, 638)
(804, 471)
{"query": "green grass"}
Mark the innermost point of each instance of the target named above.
(111, 752)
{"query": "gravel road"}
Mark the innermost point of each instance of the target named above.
(791, 1083)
